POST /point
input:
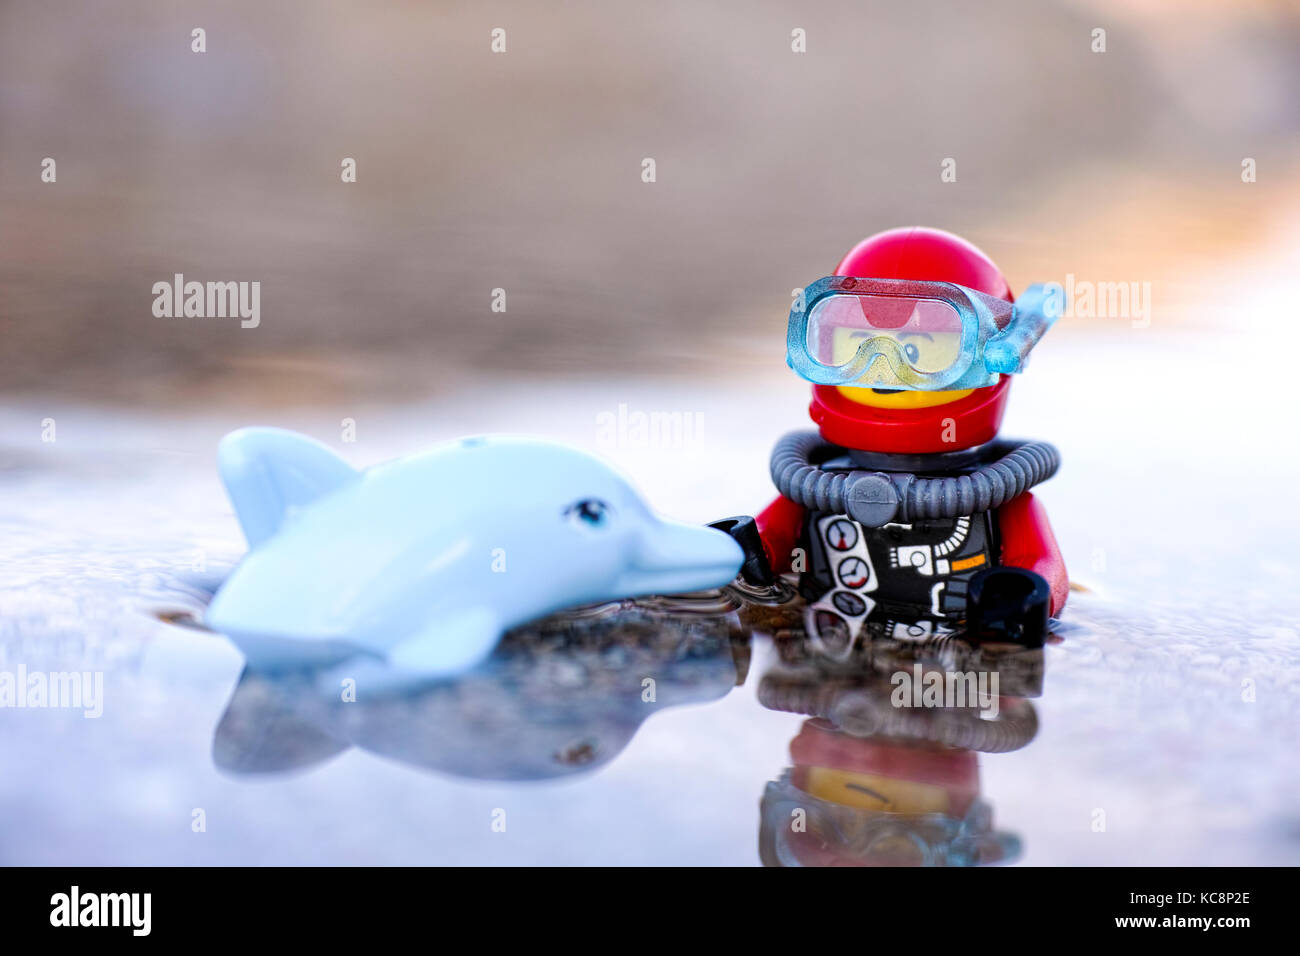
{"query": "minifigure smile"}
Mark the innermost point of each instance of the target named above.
(899, 397)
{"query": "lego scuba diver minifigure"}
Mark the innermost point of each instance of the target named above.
(904, 513)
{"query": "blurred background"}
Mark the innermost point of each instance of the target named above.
(522, 171)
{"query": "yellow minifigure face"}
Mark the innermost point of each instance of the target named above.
(926, 351)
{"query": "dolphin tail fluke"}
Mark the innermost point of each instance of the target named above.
(270, 471)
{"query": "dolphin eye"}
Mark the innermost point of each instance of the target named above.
(590, 512)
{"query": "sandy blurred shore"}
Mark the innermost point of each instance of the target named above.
(522, 171)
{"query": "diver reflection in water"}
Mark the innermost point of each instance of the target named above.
(559, 696)
(874, 783)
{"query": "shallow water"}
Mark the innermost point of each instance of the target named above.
(1160, 726)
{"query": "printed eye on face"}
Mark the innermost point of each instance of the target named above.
(75, 908)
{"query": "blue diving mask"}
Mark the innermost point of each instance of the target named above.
(911, 334)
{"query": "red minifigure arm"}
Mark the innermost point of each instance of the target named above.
(779, 525)
(1028, 542)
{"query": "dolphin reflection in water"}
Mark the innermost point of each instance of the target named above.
(559, 696)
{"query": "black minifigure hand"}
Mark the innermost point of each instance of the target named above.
(757, 570)
(1007, 604)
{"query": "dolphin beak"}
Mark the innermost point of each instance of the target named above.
(673, 558)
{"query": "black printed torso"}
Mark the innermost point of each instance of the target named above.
(905, 579)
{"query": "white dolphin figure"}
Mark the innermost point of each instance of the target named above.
(424, 562)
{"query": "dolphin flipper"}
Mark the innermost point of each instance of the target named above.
(268, 472)
(443, 650)
(450, 646)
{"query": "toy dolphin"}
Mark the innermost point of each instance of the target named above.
(422, 563)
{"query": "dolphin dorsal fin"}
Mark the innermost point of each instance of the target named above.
(269, 472)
